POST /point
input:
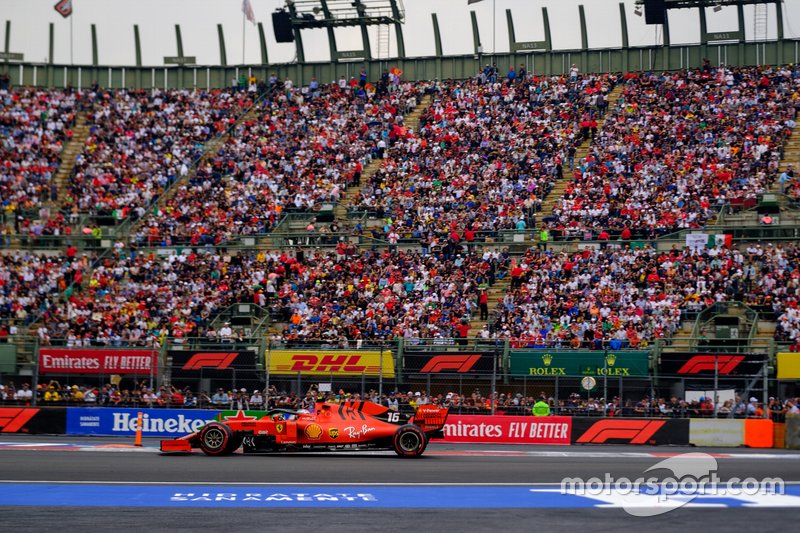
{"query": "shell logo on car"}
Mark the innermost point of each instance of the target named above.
(313, 431)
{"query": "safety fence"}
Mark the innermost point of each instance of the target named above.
(476, 377)
(565, 430)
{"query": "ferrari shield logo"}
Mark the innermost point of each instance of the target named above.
(333, 433)
(279, 428)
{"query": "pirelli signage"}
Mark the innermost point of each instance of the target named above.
(331, 362)
(448, 362)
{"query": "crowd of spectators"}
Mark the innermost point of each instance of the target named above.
(31, 284)
(676, 147)
(612, 297)
(382, 295)
(139, 299)
(300, 149)
(618, 297)
(142, 141)
(34, 126)
(485, 155)
(679, 147)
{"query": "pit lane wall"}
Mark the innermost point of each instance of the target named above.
(563, 430)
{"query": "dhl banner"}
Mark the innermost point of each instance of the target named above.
(331, 362)
(788, 365)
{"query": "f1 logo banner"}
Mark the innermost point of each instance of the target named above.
(448, 362)
(32, 420)
(211, 364)
(703, 364)
(630, 431)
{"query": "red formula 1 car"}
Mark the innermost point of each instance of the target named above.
(354, 425)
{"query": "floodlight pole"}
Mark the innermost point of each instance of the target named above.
(494, 25)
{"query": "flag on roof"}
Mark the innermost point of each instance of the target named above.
(247, 9)
(64, 8)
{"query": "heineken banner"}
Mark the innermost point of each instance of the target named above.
(579, 363)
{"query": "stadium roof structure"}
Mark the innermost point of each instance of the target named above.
(442, 39)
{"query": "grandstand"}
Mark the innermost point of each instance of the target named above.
(586, 201)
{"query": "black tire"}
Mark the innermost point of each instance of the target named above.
(409, 441)
(234, 444)
(215, 439)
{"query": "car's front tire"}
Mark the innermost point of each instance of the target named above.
(217, 439)
(409, 441)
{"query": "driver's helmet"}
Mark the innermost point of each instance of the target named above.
(278, 417)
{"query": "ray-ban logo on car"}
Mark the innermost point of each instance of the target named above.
(671, 484)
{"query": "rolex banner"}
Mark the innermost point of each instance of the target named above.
(579, 363)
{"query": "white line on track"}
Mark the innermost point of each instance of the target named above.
(291, 483)
(586, 453)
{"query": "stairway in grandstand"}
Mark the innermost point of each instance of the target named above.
(764, 337)
(581, 152)
(791, 155)
(80, 132)
(411, 121)
(210, 149)
(496, 294)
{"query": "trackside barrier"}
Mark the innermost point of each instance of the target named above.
(33, 420)
(792, 434)
(711, 432)
(110, 421)
(758, 433)
(508, 429)
(630, 431)
(779, 434)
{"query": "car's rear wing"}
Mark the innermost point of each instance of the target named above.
(430, 418)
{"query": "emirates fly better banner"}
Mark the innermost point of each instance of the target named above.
(508, 429)
(99, 361)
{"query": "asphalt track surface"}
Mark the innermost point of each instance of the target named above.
(443, 466)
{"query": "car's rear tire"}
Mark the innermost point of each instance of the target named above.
(234, 444)
(217, 439)
(409, 441)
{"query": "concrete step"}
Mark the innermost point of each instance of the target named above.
(80, 132)
(581, 152)
(412, 121)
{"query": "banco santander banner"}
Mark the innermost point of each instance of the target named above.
(508, 429)
(99, 361)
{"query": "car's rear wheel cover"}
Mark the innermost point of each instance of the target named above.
(409, 442)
